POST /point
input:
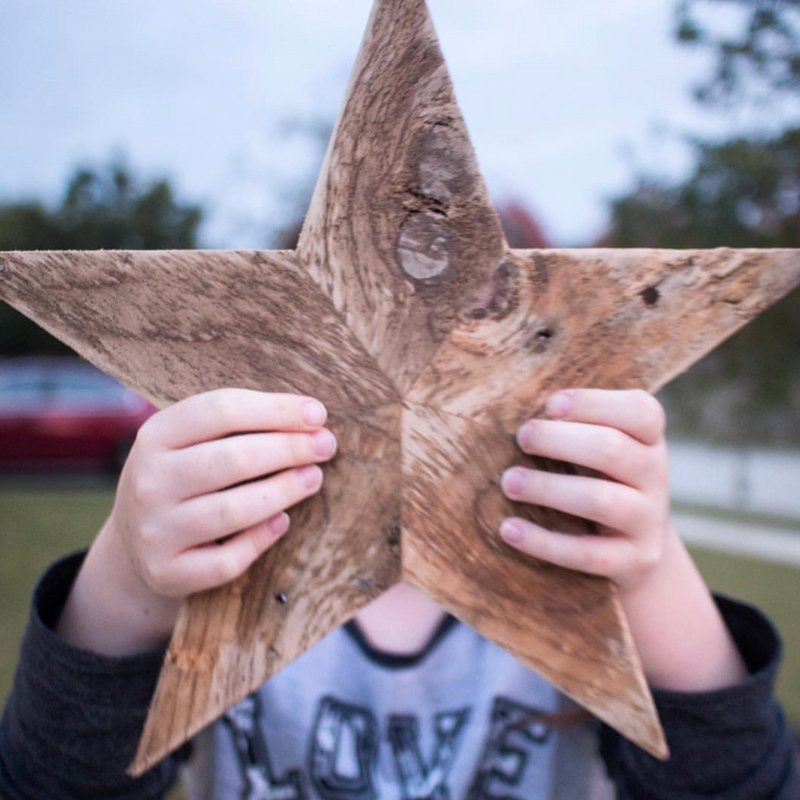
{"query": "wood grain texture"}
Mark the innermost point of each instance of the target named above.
(551, 319)
(340, 556)
(400, 228)
(430, 341)
(567, 626)
(170, 324)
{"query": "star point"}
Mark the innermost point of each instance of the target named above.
(430, 341)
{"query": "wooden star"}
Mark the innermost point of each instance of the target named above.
(430, 341)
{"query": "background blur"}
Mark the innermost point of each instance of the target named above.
(665, 123)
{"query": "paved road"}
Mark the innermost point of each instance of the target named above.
(740, 538)
(760, 480)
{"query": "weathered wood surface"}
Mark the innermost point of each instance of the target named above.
(170, 324)
(612, 319)
(567, 626)
(400, 227)
(430, 342)
(343, 552)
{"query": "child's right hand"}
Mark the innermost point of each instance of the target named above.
(194, 510)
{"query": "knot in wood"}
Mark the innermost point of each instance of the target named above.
(424, 245)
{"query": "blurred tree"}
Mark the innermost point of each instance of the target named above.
(100, 209)
(759, 59)
(744, 192)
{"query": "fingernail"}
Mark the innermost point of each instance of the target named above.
(559, 405)
(513, 481)
(311, 476)
(525, 436)
(324, 443)
(279, 524)
(511, 531)
(314, 413)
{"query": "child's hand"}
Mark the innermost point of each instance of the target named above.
(202, 495)
(682, 640)
(617, 433)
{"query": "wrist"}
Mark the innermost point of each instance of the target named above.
(109, 609)
(681, 637)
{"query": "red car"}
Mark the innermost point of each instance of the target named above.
(61, 411)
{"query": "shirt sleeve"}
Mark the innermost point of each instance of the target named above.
(72, 722)
(730, 744)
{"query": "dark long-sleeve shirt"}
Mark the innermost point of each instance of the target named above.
(347, 721)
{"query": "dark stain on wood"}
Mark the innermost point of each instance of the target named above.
(650, 295)
(541, 335)
(499, 297)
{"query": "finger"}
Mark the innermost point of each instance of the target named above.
(212, 516)
(611, 504)
(213, 565)
(215, 465)
(633, 411)
(222, 412)
(595, 555)
(607, 450)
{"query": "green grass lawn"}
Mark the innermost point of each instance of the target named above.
(37, 526)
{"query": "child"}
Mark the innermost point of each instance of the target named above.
(405, 702)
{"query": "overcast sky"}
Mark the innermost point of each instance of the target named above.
(561, 99)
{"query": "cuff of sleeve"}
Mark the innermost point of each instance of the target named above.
(760, 646)
(704, 729)
(74, 717)
(129, 677)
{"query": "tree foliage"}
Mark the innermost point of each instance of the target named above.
(101, 208)
(760, 59)
(744, 192)
(741, 193)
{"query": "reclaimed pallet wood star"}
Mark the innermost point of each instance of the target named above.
(430, 341)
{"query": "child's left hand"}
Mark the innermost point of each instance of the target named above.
(680, 634)
(617, 433)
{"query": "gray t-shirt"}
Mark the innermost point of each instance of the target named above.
(462, 719)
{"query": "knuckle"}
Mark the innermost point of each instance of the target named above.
(221, 406)
(228, 460)
(602, 503)
(228, 567)
(148, 535)
(612, 446)
(649, 555)
(142, 439)
(157, 577)
(642, 398)
(227, 514)
(654, 417)
(254, 551)
(585, 560)
(653, 469)
(146, 438)
(595, 563)
(145, 489)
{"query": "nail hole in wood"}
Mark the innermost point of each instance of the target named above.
(650, 295)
